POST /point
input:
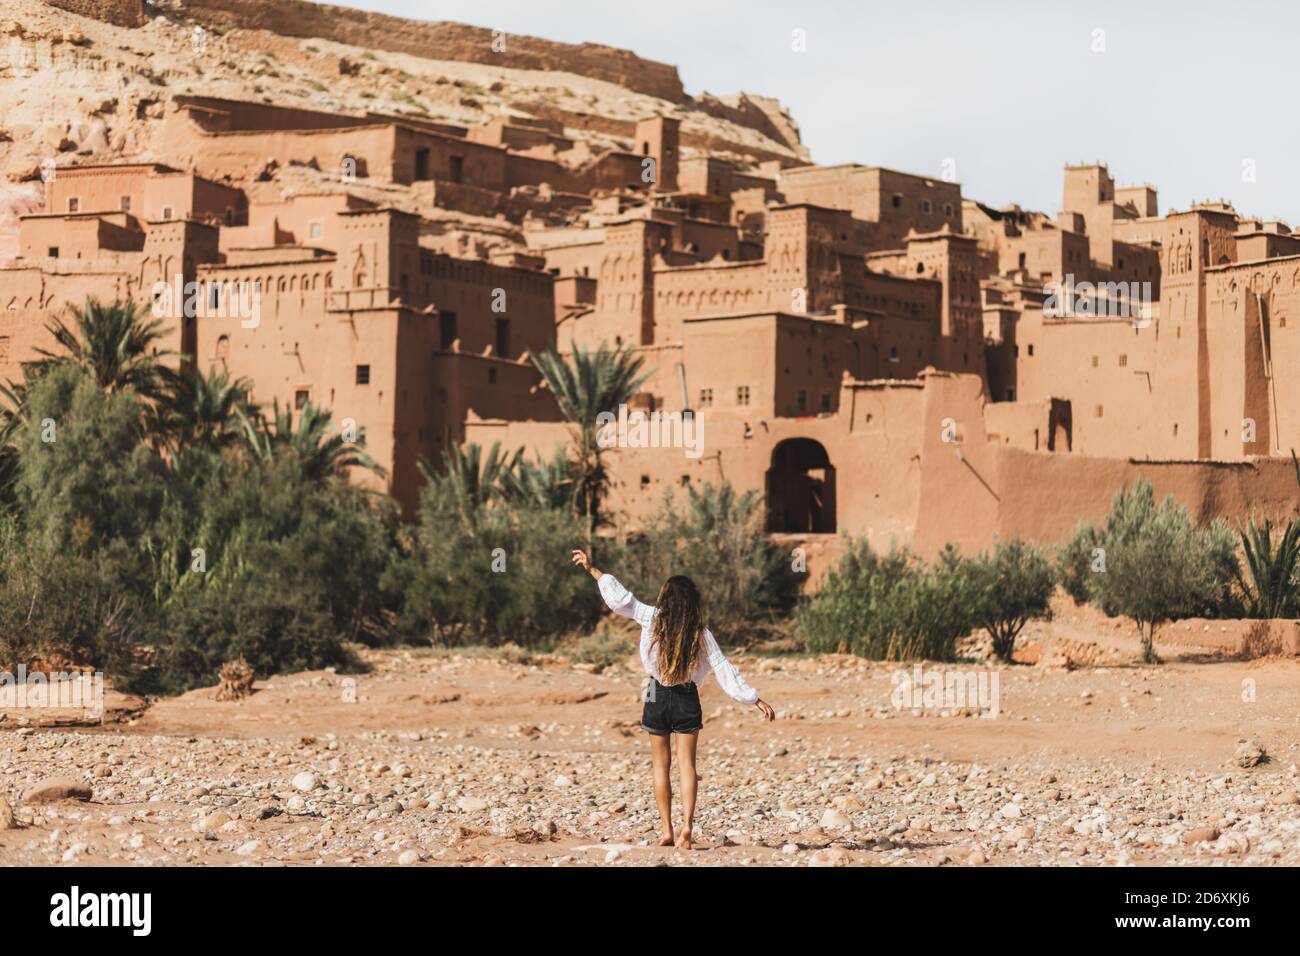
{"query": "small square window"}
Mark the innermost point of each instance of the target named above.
(706, 397)
(363, 374)
(167, 213)
(1100, 411)
(1123, 361)
(125, 204)
(897, 201)
(742, 394)
(54, 252)
(317, 230)
(74, 204)
(925, 206)
(301, 397)
(1095, 361)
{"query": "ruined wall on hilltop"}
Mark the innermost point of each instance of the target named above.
(122, 13)
(437, 40)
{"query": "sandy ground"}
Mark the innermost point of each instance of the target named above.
(441, 760)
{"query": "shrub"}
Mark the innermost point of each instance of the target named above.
(1159, 566)
(70, 606)
(1260, 640)
(1075, 561)
(717, 539)
(254, 618)
(888, 607)
(1006, 589)
(85, 477)
(605, 648)
(1270, 590)
(493, 574)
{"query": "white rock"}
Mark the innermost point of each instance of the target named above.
(835, 820)
(305, 781)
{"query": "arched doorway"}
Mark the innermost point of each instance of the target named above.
(801, 488)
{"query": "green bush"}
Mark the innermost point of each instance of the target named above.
(279, 548)
(716, 537)
(85, 475)
(70, 606)
(151, 506)
(1074, 562)
(1159, 566)
(888, 607)
(604, 648)
(275, 629)
(496, 573)
(1007, 588)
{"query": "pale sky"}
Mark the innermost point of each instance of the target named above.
(1192, 97)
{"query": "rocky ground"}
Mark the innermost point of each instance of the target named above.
(440, 760)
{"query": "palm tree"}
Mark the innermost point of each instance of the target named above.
(541, 484)
(113, 344)
(13, 419)
(1271, 590)
(590, 383)
(321, 453)
(200, 409)
(468, 480)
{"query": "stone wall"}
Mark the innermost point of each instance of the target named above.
(438, 40)
(122, 13)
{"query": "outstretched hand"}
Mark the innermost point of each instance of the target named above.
(766, 709)
(582, 560)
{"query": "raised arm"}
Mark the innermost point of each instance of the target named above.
(729, 678)
(618, 598)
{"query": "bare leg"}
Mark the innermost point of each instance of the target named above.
(686, 768)
(661, 758)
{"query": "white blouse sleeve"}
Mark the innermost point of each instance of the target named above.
(620, 600)
(729, 678)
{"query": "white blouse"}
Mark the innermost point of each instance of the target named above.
(621, 601)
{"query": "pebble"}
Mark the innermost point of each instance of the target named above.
(1201, 835)
(58, 788)
(835, 820)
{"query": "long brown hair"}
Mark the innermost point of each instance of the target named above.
(677, 629)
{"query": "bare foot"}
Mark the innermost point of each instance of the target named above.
(683, 839)
(667, 839)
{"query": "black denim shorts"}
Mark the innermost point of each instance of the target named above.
(671, 710)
